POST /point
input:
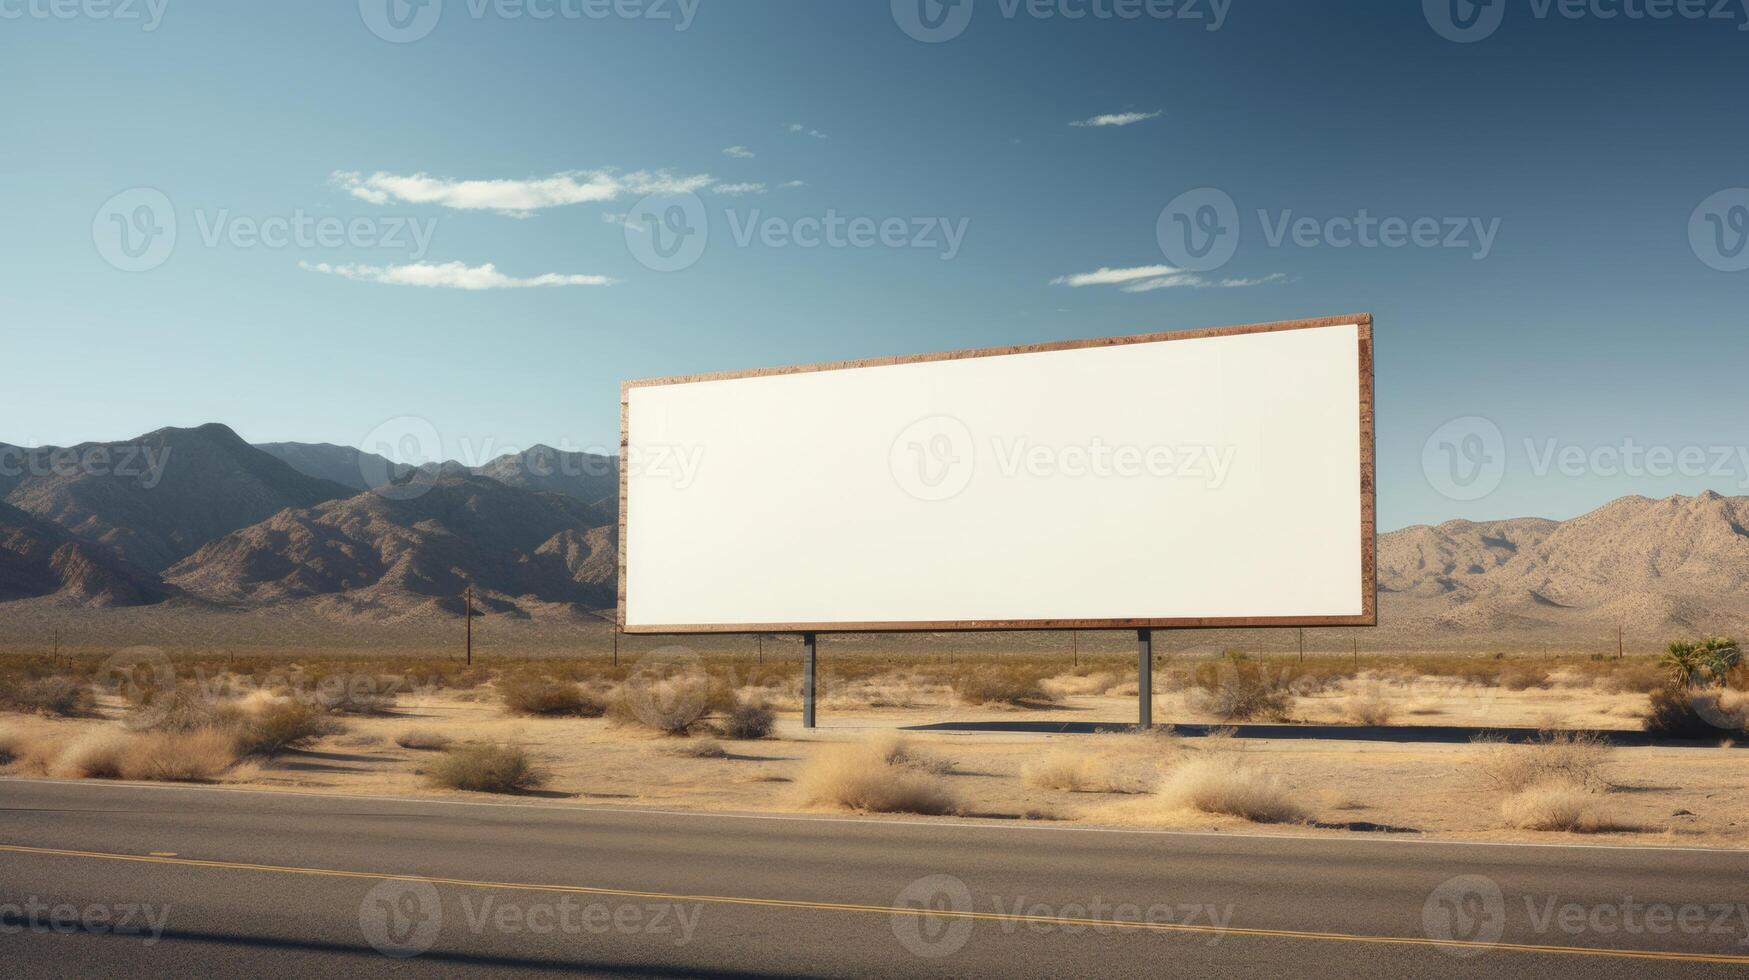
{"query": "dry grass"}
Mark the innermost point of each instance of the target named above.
(97, 754)
(1576, 758)
(423, 739)
(1219, 786)
(487, 769)
(1081, 685)
(1016, 685)
(894, 749)
(1071, 771)
(702, 748)
(185, 757)
(538, 696)
(55, 696)
(862, 777)
(1557, 804)
(1368, 709)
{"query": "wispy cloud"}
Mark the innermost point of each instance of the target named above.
(1117, 119)
(793, 183)
(807, 130)
(450, 275)
(739, 153)
(1147, 278)
(748, 188)
(517, 197)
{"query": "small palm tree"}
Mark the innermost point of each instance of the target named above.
(1719, 654)
(1682, 659)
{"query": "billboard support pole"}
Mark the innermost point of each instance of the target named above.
(809, 647)
(1145, 675)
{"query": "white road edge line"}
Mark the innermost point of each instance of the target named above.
(949, 824)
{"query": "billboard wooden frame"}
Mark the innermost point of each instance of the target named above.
(1368, 507)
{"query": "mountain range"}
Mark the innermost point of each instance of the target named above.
(200, 519)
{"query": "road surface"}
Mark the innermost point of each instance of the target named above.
(119, 879)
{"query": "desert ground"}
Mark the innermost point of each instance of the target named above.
(980, 738)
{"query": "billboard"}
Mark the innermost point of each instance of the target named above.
(1219, 477)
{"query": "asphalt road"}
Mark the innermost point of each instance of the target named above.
(124, 880)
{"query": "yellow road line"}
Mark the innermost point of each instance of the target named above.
(782, 903)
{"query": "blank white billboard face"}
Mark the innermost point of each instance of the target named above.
(1215, 478)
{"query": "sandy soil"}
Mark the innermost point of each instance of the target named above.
(1348, 786)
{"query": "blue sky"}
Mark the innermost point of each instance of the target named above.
(1580, 318)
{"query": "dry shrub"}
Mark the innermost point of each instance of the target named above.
(1077, 772)
(531, 694)
(278, 726)
(1070, 685)
(1219, 786)
(184, 757)
(487, 769)
(702, 748)
(894, 749)
(28, 753)
(1631, 677)
(670, 705)
(185, 708)
(1557, 805)
(59, 696)
(97, 754)
(859, 777)
(1523, 677)
(1676, 713)
(1368, 709)
(1576, 758)
(1002, 684)
(360, 698)
(422, 738)
(1241, 690)
(748, 719)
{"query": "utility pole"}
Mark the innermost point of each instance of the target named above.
(57, 644)
(468, 597)
(1356, 641)
(1075, 646)
(1618, 649)
(616, 647)
(762, 649)
(1302, 632)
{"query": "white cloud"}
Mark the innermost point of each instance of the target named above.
(517, 197)
(1117, 119)
(739, 153)
(450, 275)
(793, 183)
(799, 128)
(749, 188)
(1147, 278)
